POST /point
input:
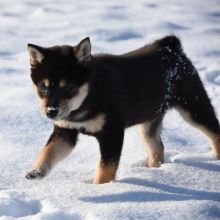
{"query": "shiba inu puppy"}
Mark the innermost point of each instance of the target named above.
(103, 94)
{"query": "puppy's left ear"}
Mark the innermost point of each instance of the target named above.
(36, 54)
(83, 50)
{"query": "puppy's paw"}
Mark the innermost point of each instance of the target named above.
(35, 174)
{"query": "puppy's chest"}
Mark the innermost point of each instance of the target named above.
(92, 125)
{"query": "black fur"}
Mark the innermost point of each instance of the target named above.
(128, 89)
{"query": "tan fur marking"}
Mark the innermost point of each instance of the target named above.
(75, 102)
(46, 82)
(105, 173)
(62, 83)
(91, 125)
(216, 146)
(51, 154)
(153, 146)
(43, 102)
(35, 88)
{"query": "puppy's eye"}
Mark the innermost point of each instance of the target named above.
(43, 88)
(68, 88)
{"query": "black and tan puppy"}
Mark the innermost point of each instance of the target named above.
(103, 94)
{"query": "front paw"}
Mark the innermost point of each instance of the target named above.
(35, 174)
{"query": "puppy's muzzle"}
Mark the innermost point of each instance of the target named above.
(51, 112)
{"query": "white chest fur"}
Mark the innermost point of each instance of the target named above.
(92, 125)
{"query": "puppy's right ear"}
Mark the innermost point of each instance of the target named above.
(36, 54)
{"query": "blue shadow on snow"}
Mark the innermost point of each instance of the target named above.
(171, 193)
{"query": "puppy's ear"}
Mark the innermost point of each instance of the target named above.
(83, 50)
(36, 54)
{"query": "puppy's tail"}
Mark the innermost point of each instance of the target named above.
(171, 42)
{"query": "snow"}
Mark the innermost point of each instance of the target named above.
(186, 186)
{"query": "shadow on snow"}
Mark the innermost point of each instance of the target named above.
(170, 193)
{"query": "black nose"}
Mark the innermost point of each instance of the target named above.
(51, 112)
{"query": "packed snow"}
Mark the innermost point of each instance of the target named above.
(186, 186)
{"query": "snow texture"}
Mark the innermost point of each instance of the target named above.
(186, 186)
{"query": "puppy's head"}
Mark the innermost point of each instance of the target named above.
(60, 76)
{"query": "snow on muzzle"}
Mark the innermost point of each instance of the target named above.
(51, 112)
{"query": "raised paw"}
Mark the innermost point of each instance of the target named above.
(35, 174)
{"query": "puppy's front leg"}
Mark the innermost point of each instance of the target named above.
(110, 142)
(59, 146)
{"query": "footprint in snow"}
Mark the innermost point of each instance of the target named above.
(213, 53)
(212, 31)
(140, 163)
(215, 14)
(15, 205)
(124, 36)
(4, 54)
(171, 26)
(213, 77)
(150, 5)
(113, 35)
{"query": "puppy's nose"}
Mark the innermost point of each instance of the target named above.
(51, 112)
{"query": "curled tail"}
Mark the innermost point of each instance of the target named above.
(171, 42)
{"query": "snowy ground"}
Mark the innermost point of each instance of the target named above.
(187, 186)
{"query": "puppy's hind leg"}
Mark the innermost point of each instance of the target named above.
(150, 134)
(195, 107)
(206, 122)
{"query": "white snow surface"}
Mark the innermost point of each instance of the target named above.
(186, 186)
